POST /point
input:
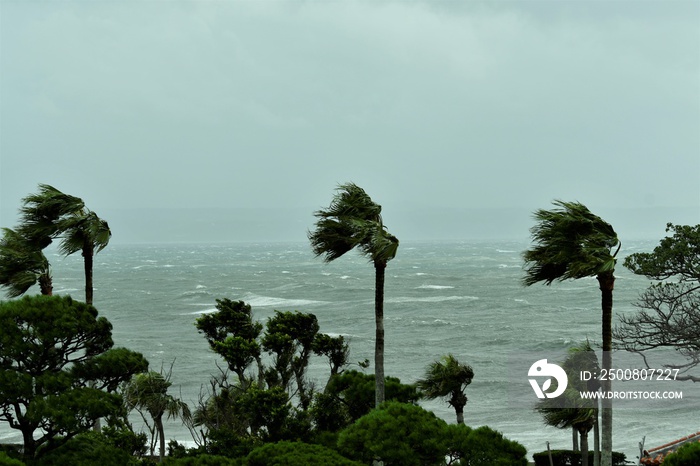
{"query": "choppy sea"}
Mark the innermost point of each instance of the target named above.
(463, 298)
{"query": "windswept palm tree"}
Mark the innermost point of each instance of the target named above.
(569, 410)
(51, 214)
(351, 221)
(22, 262)
(148, 393)
(42, 212)
(22, 265)
(571, 243)
(86, 232)
(448, 378)
(581, 417)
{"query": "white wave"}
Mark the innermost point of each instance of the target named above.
(506, 266)
(199, 287)
(205, 311)
(427, 322)
(432, 299)
(66, 290)
(435, 287)
(269, 301)
(421, 273)
(505, 250)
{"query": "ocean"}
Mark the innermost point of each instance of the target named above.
(463, 298)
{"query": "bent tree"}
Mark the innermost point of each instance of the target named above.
(51, 214)
(354, 220)
(669, 310)
(448, 378)
(58, 370)
(148, 392)
(570, 242)
(22, 265)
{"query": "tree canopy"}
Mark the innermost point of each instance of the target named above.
(58, 369)
(354, 220)
(448, 378)
(669, 310)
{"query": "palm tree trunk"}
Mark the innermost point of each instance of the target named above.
(574, 438)
(88, 259)
(459, 410)
(161, 438)
(607, 284)
(46, 284)
(596, 440)
(380, 268)
(584, 447)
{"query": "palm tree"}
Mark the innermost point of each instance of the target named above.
(41, 213)
(353, 220)
(22, 265)
(149, 392)
(571, 243)
(86, 232)
(582, 418)
(448, 378)
(51, 214)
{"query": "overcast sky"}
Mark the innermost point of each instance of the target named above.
(460, 118)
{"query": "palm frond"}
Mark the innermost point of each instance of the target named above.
(42, 211)
(569, 242)
(81, 231)
(445, 377)
(22, 264)
(351, 221)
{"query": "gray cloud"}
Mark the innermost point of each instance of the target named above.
(268, 105)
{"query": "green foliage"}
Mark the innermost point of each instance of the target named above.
(669, 314)
(675, 256)
(148, 393)
(22, 265)
(569, 409)
(483, 446)
(58, 366)
(227, 442)
(573, 458)
(334, 348)
(447, 378)
(41, 213)
(570, 243)
(87, 449)
(687, 455)
(121, 436)
(352, 220)
(52, 214)
(232, 334)
(296, 454)
(350, 395)
(204, 460)
(6, 460)
(398, 433)
(259, 404)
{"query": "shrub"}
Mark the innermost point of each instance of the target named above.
(296, 454)
(483, 446)
(7, 461)
(687, 455)
(573, 458)
(204, 460)
(398, 433)
(87, 450)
